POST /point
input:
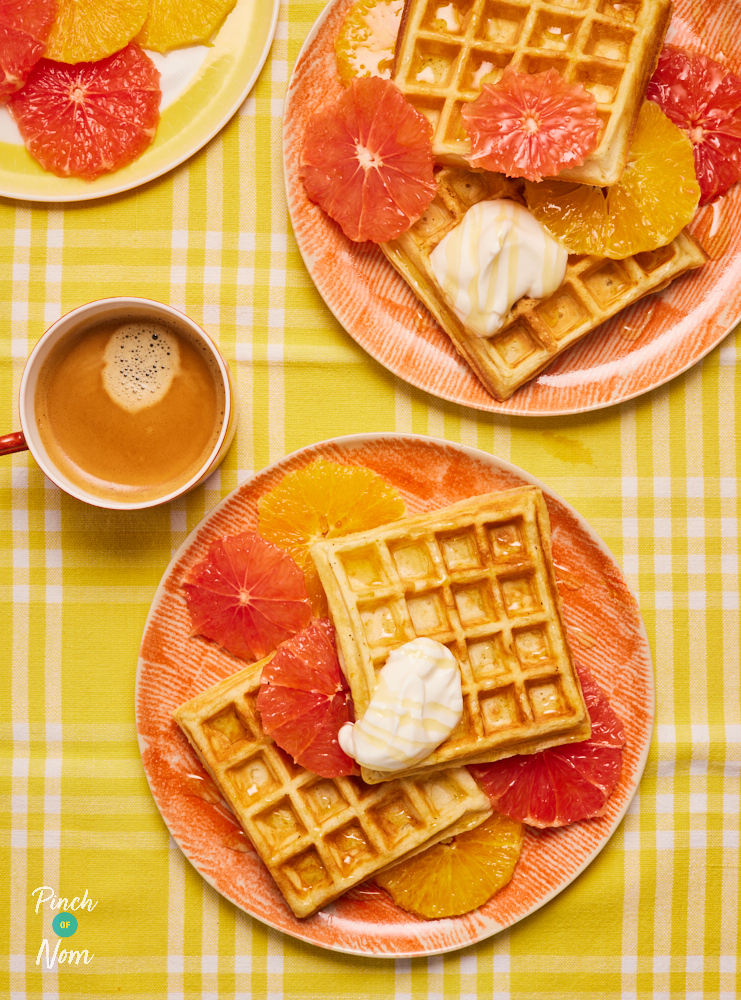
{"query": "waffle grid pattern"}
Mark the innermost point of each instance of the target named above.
(445, 54)
(536, 331)
(317, 836)
(475, 578)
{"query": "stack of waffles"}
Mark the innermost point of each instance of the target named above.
(477, 577)
(536, 330)
(318, 837)
(445, 53)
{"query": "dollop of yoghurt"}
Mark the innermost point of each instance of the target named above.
(497, 253)
(417, 704)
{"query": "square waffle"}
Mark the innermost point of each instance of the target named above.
(536, 331)
(318, 837)
(477, 577)
(446, 52)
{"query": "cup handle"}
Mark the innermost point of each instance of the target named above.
(10, 443)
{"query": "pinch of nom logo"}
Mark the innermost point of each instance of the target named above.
(64, 925)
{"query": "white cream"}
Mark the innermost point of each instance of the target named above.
(497, 253)
(416, 705)
(382, 23)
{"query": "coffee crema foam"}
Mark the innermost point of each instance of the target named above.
(140, 361)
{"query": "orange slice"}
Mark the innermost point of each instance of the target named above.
(247, 596)
(91, 118)
(24, 29)
(88, 30)
(365, 43)
(367, 161)
(531, 125)
(171, 24)
(456, 877)
(304, 700)
(651, 203)
(324, 500)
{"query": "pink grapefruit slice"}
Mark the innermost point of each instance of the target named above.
(704, 100)
(25, 26)
(304, 700)
(563, 784)
(531, 125)
(367, 161)
(91, 118)
(247, 595)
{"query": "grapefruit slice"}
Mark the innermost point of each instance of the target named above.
(171, 24)
(563, 784)
(458, 876)
(324, 500)
(367, 161)
(304, 700)
(89, 119)
(247, 596)
(652, 202)
(24, 30)
(531, 125)
(88, 30)
(365, 43)
(704, 100)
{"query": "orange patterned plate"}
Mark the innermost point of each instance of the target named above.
(641, 348)
(607, 637)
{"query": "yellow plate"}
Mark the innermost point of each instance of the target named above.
(202, 87)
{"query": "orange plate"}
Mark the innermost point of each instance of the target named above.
(607, 637)
(641, 348)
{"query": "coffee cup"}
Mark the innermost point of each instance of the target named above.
(125, 403)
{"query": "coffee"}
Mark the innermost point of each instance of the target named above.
(130, 409)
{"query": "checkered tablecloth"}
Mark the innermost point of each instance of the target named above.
(655, 915)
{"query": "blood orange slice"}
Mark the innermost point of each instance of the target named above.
(531, 125)
(304, 700)
(704, 100)
(563, 784)
(24, 29)
(367, 161)
(92, 118)
(247, 595)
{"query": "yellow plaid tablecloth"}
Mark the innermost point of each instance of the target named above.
(656, 914)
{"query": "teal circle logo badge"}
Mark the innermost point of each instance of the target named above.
(64, 924)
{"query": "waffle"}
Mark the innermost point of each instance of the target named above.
(536, 330)
(610, 48)
(478, 577)
(317, 837)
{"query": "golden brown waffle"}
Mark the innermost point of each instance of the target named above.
(446, 52)
(536, 330)
(317, 837)
(478, 577)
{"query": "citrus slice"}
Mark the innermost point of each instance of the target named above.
(304, 700)
(247, 596)
(531, 125)
(652, 202)
(367, 161)
(704, 100)
(456, 877)
(88, 30)
(171, 24)
(563, 784)
(24, 30)
(365, 43)
(92, 118)
(324, 500)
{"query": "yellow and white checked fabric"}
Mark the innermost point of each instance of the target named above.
(655, 916)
